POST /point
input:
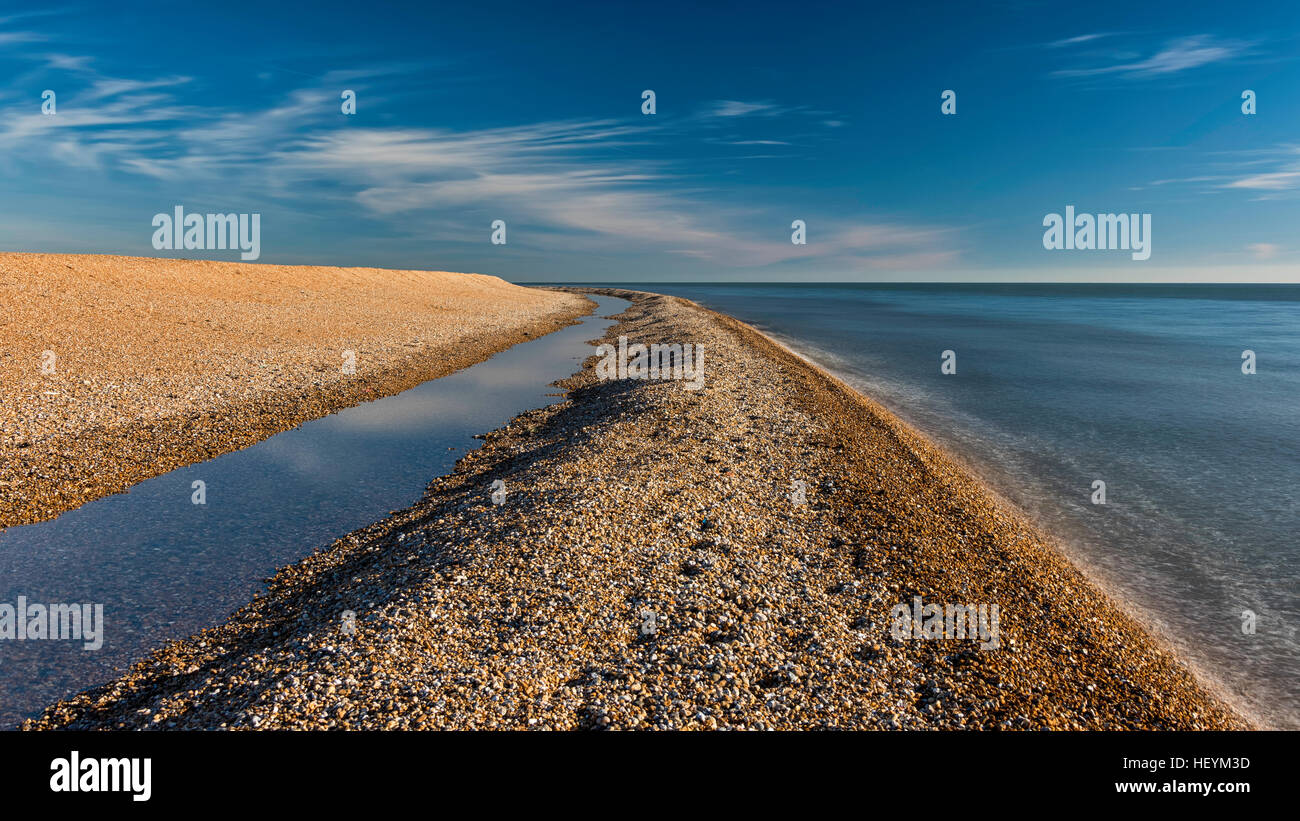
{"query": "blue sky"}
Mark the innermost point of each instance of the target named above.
(766, 113)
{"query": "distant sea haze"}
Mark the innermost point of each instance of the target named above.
(1144, 388)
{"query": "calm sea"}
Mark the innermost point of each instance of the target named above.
(1141, 387)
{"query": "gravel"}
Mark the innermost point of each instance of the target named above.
(636, 497)
(162, 363)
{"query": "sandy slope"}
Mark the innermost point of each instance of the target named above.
(161, 363)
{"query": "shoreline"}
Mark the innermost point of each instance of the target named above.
(164, 363)
(993, 485)
(635, 497)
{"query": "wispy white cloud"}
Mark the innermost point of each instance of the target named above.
(738, 108)
(11, 37)
(27, 15)
(1273, 181)
(1275, 169)
(1269, 170)
(541, 176)
(1175, 56)
(1074, 41)
(67, 62)
(577, 185)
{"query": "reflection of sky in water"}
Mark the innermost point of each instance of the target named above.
(163, 567)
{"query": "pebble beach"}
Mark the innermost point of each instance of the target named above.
(647, 555)
(117, 369)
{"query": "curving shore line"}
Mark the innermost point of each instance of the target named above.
(651, 568)
(155, 364)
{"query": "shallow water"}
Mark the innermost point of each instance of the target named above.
(163, 567)
(1137, 386)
